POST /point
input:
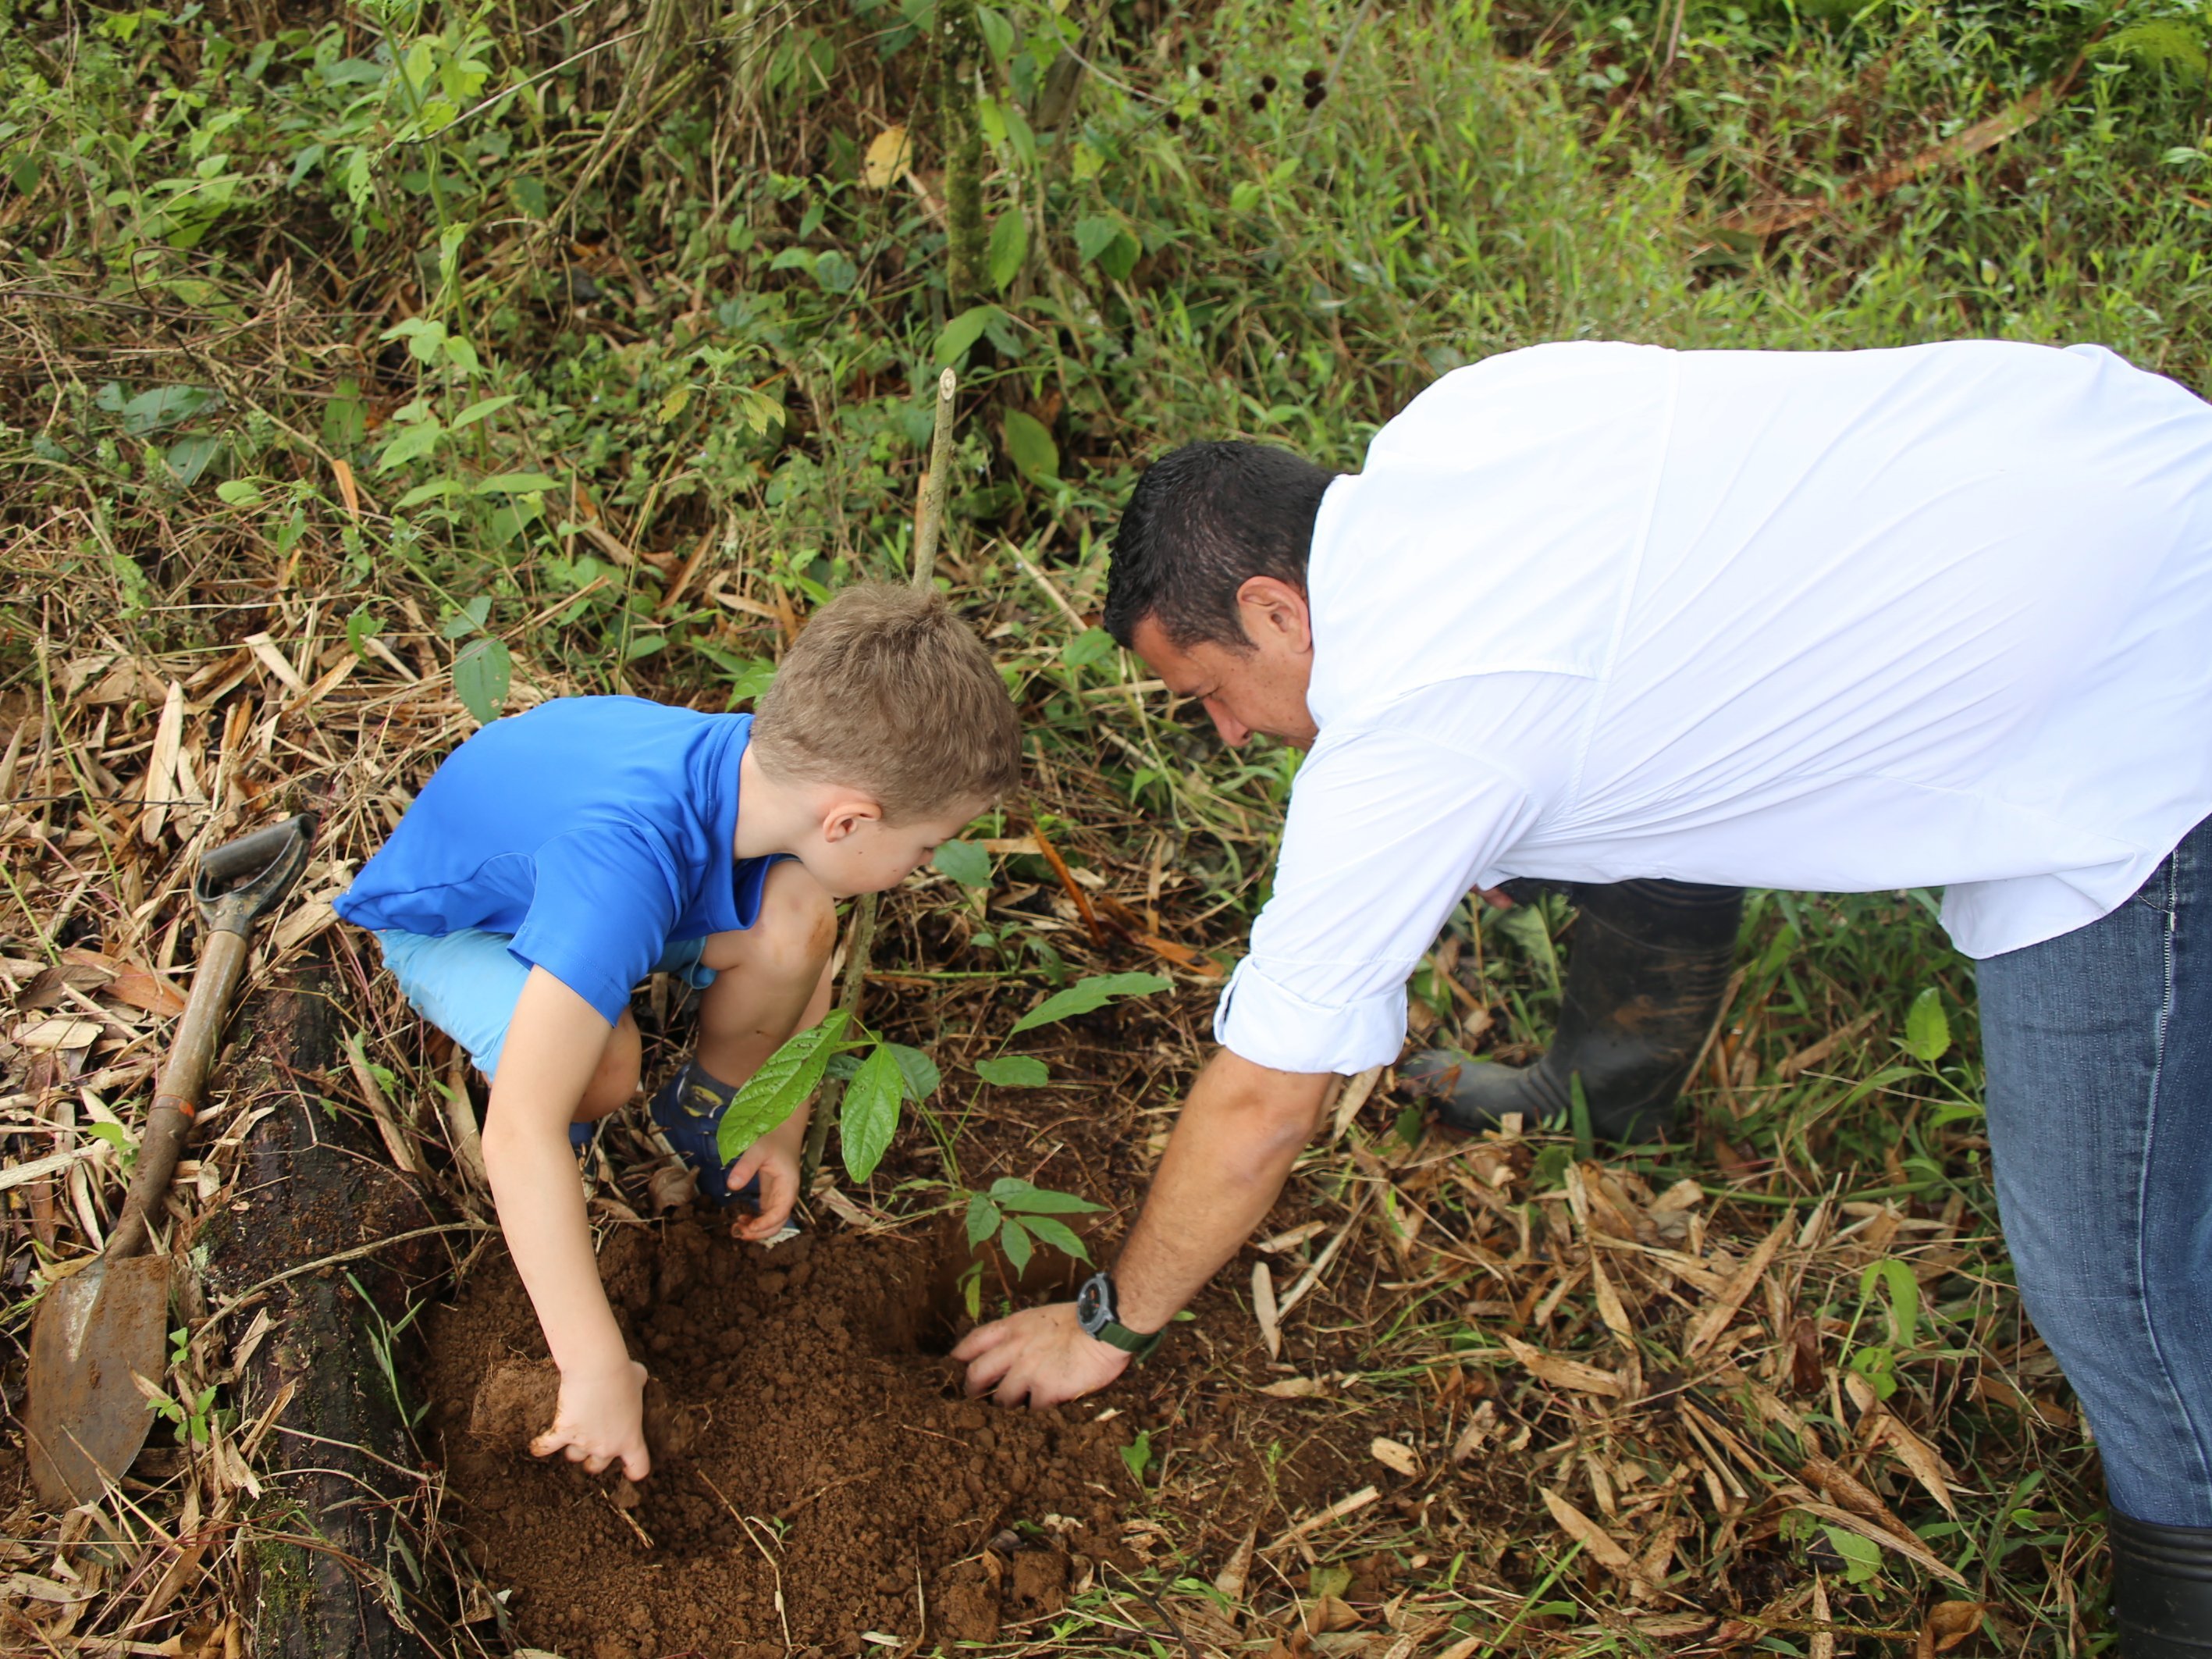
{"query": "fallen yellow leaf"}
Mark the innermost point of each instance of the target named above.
(887, 160)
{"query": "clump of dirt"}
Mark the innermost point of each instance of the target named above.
(817, 1468)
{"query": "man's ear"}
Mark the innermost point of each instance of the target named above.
(1274, 612)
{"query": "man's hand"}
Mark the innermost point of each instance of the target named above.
(777, 1165)
(1040, 1355)
(600, 1419)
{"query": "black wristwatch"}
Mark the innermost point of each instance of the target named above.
(1097, 1313)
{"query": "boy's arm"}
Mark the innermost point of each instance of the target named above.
(554, 1045)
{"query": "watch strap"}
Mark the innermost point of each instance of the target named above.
(1115, 1334)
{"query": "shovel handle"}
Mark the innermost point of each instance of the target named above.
(177, 1098)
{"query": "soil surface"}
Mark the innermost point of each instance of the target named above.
(817, 1468)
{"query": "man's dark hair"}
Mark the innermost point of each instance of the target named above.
(1201, 522)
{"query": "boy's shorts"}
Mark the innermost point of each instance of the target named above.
(466, 984)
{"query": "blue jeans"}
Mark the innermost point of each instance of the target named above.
(2100, 1051)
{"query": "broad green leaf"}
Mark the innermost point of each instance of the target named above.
(239, 492)
(1926, 1031)
(870, 1113)
(466, 620)
(1119, 257)
(481, 674)
(1029, 441)
(1088, 649)
(1086, 994)
(998, 33)
(962, 332)
(1016, 1243)
(1094, 233)
(965, 861)
(476, 411)
(751, 678)
(1010, 247)
(781, 1085)
(916, 1070)
(434, 490)
(1011, 1193)
(188, 456)
(982, 1219)
(1861, 1556)
(415, 439)
(837, 273)
(1058, 1234)
(165, 405)
(515, 484)
(1014, 1072)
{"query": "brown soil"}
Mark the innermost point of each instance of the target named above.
(807, 1391)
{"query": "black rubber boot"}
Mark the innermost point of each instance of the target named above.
(1645, 974)
(2161, 1589)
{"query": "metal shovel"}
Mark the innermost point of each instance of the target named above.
(85, 1417)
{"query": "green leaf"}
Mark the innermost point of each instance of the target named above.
(1119, 257)
(1010, 248)
(1010, 1193)
(965, 861)
(1903, 1291)
(998, 33)
(1088, 649)
(781, 1085)
(752, 677)
(165, 405)
(1016, 1243)
(1086, 994)
(1014, 1072)
(360, 626)
(239, 492)
(476, 411)
(1094, 235)
(1525, 926)
(1926, 1031)
(870, 1113)
(962, 332)
(1861, 1556)
(188, 456)
(466, 620)
(1136, 1456)
(481, 674)
(837, 273)
(1029, 442)
(1058, 1234)
(916, 1070)
(434, 490)
(982, 1219)
(515, 483)
(415, 439)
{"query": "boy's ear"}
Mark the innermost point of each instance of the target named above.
(846, 814)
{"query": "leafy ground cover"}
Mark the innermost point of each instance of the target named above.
(367, 370)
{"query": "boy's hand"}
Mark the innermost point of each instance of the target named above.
(600, 1419)
(777, 1161)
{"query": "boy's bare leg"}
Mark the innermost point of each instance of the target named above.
(771, 980)
(617, 1078)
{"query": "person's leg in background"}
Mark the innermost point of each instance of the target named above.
(1647, 967)
(2098, 1046)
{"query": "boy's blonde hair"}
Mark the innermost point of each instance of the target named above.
(886, 691)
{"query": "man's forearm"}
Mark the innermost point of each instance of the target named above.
(1239, 1132)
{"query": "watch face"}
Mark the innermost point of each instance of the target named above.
(1090, 1309)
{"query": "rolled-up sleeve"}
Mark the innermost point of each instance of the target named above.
(1386, 830)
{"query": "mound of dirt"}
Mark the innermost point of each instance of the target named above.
(817, 1471)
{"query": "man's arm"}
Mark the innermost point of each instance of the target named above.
(1233, 1146)
(553, 1046)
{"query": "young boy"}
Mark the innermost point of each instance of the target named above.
(560, 856)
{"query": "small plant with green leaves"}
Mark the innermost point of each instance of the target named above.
(1085, 996)
(877, 1083)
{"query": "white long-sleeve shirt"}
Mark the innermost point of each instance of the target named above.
(1840, 621)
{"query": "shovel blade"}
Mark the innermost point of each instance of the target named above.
(86, 1418)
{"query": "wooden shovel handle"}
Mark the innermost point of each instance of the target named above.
(176, 1102)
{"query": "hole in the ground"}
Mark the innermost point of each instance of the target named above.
(816, 1444)
(1049, 1276)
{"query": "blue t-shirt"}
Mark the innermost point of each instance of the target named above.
(594, 829)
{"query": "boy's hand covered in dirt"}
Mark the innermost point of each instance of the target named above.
(774, 1158)
(600, 1419)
